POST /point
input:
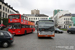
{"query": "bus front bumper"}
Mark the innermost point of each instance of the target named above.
(53, 35)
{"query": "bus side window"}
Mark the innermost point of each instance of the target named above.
(26, 26)
(22, 26)
(22, 17)
(30, 26)
(26, 18)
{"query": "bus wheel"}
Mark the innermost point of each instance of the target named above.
(25, 32)
(32, 31)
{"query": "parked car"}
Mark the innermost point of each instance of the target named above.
(6, 38)
(71, 30)
(58, 30)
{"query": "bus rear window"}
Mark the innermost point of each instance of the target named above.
(14, 16)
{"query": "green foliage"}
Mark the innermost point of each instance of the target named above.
(5, 21)
(64, 29)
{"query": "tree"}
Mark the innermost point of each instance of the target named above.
(5, 21)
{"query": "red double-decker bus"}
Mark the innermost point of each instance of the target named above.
(19, 24)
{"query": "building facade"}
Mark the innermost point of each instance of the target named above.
(6, 9)
(64, 21)
(56, 17)
(35, 18)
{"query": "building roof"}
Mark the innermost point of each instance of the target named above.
(37, 15)
(28, 15)
(73, 15)
(8, 6)
(67, 15)
(41, 15)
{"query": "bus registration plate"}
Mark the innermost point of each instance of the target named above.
(46, 35)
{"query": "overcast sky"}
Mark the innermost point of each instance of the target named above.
(45, 6)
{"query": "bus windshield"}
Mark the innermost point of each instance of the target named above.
(49, 25)
(14, 16)
(14, 25)
(45, 24)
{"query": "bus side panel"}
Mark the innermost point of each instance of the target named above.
(33, 29)
(29, 30)
(23, 30)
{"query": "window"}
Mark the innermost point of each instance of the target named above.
(6, 15)
(26, 18)
(64, 18)
(27, 26)
(3, 14)
(36, 18)
(0, 6)
(73, 24)
(32, 27)
(14, 17)
(29, 18)
(6, 9)
(70, 24)
(72, 28)
(6, 34)
(10, 11)
(3, 7)
(22, 26)
(22, 17)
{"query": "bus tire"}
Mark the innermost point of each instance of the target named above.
(25, 32)
(32, 31)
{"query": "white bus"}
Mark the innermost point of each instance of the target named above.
(46, 28)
